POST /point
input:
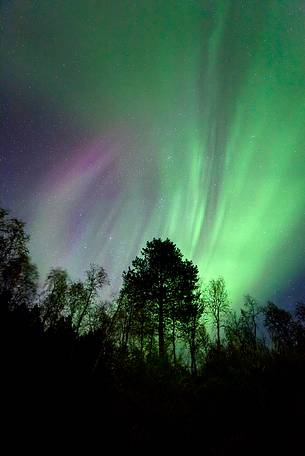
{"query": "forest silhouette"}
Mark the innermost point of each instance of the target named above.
(168, 362)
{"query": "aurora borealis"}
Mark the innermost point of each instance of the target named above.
(126, 120)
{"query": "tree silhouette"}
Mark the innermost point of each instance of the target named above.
(249, 319)
(86, 305)
(161, 281)
(138, 319)
(216, 297)
(241, 330)
(18, 276)
(192, 326)
(76, 296)
(300, 312)
(53, 298)
(281, 327)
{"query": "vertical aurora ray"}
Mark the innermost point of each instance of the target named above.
(193, 115)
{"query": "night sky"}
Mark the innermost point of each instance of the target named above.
(126, 120)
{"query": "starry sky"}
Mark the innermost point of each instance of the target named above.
(131, 119)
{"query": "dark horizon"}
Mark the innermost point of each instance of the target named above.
(165, 362)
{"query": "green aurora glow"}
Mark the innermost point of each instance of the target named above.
(202, 106)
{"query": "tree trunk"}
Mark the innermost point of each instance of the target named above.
(255, 330)
(127, 326)
(174, 340)
(151, 341)
(142, 337)
(80, 319)
(193, 348)
(161, 330)
(193, 359)
(218, 329)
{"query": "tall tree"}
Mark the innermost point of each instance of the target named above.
(192, 325)
(300, 312)
(53, 298)
(162, 280)
(18, 276)
(217, 300)
(185, 308)
(249, 317)
(75, 297)
(300, 326)
(138, 318)
(281, 327)
(96, 279)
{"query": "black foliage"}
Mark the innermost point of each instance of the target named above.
(81, 374)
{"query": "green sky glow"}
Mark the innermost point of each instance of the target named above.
(202, 104)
